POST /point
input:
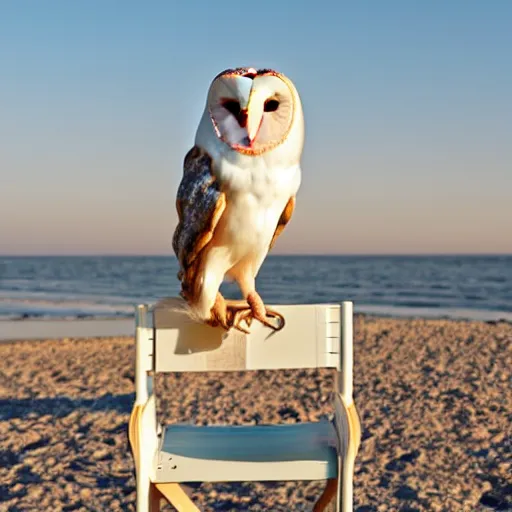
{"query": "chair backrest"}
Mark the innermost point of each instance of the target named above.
(311, 338)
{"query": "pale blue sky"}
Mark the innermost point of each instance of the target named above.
(408, 108)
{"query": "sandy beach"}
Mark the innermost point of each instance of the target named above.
(434, 396)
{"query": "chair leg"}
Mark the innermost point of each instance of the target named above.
(177, 497)
(144, 503)
(149, 494)
(347, 482)
(154, 499)
(133, 433)
(349, 458)
(327, 500)
(338, 494)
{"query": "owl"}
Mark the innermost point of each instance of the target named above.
(237, 193)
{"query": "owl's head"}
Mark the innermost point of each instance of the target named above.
(254, 111)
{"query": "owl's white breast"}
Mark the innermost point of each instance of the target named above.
(257, 190)
(255, 199)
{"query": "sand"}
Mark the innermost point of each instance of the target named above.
(434, 396)
(35, 329)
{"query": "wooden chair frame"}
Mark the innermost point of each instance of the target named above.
(164, 458)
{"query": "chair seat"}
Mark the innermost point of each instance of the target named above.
(300, 451)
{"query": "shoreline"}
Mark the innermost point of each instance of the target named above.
(41, 329)
(34, 328)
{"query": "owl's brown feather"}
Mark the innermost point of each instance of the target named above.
(200, 205)
(283, 220)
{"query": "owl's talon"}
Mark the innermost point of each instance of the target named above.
(261, 313)
(219, 313)
(240, 316)
(231, 314)
(271, 314)
(274, 314)
(238, 327)
(217, 322)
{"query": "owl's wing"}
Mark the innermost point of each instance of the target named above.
(284, 219)
(200, 205)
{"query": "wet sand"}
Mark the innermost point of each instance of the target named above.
(36, 329)
(434, 396)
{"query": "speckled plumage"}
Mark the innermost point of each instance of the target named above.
(196, 200)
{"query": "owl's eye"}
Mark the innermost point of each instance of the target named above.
(232, 106)
(271, 105)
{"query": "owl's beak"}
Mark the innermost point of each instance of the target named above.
(249, 120)
(254, 115)
(249, 123)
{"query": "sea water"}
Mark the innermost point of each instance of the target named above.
(473, 287)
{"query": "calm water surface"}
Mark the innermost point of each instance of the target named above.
(441, 286)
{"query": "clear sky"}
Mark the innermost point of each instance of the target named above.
(408, 111)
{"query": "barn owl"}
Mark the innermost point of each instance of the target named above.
(237, 193)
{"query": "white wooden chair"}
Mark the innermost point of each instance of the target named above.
(168, 341)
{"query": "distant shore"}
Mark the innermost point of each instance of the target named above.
(434, 397)
(47, 328)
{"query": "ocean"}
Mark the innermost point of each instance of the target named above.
(466, 287)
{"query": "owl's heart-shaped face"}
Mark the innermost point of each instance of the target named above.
(251, 111)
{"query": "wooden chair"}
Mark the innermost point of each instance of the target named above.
(314, 336)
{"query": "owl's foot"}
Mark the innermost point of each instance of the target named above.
(218, 313)
(261, 313)
(239, 311)
(229, 314)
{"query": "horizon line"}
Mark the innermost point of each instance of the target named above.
(327, 254)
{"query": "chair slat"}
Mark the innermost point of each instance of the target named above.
(303, 451)
(310, 339)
